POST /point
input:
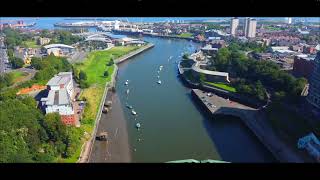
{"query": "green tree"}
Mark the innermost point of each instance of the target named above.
(82, 75)
(83, 84)
(6, 80)
(16, 62)
(56, 130)
(73, 140)
(222, 59)
(37, 63)
(106, 74)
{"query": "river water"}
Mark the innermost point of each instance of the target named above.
(172, 127)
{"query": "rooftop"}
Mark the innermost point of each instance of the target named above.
(61, 78)
(58, 97)
(58, 46)
(209, 48)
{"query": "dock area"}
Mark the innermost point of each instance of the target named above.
(253, 118)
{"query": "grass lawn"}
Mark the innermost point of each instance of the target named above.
(95, 64)
(273, 28)
(30, 44)
(222, 86)
(93, 96)
(185, 35)
(18, 76)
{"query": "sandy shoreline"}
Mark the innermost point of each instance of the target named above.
(117, 148)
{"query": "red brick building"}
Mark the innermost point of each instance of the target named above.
(69, 119)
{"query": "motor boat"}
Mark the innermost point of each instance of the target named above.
(159, 82)
(127, 82)
(138, 125)
(127, 91)
(158, 77)
(133, 112)
(129, 107)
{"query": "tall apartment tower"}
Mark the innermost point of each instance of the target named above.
(250, 27)
(314, 87)
(233, 26)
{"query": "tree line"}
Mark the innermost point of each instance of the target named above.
(26, 135)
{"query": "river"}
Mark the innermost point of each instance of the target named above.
(172, 127)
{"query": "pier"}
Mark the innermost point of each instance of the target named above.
(253, 118)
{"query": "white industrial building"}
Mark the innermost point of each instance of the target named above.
(59, 97)
(59, 49)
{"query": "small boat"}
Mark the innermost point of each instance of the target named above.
(158, 77)
(138, 125)
(127, 82)
(133, 112)
(127, 91)
(129, 107)
(159, 82)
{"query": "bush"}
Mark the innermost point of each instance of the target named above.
(106, 74)
(16, 62)
(83, 84)
(82, 75)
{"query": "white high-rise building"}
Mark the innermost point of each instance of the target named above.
(250, 28)
(116, 25)
(233, 26)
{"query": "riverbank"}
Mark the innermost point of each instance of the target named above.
(120, 147)
(116, 148)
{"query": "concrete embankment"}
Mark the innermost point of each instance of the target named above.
(254, 119)
(123, 145)
(134, 53)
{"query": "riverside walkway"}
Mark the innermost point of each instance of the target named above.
(254, 119)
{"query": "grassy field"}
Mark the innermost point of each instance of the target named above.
(273, 28)
(93, 96)
(185, 35)
(18, 76)
(95, 64)
(222, 86)
(30, 44)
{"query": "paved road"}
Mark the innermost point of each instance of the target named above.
(4, 61)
